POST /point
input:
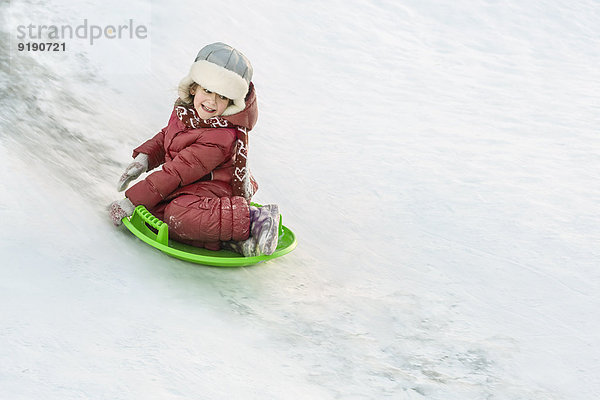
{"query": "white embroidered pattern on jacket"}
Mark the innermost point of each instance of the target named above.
(194, 119)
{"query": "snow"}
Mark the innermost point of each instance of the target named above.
(438, 162)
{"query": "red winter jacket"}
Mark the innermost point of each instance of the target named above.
(198, 163)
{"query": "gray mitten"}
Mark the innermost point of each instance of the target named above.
(133, 171)
(120, 209)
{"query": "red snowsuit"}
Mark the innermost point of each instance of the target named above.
(192, 192)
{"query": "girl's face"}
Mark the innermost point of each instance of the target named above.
(208, 104)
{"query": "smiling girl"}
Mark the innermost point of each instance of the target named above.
(206, 103)
(204, 187)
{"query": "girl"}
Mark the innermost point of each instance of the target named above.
(204, 188)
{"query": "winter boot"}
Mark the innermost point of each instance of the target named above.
(264, 227)
(264, 230)
(247, 248)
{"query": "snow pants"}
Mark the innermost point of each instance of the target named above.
(205, 214)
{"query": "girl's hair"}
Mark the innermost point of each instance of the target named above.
(192, 86)
(180, 102)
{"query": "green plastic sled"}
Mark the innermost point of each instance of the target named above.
(155, 232)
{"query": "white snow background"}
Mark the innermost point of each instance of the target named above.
(439, 162)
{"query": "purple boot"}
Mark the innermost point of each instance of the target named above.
(264, 230)
(264, 227)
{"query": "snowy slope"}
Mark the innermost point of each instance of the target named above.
(438, 161)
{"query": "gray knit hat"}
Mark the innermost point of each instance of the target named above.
(221, 69)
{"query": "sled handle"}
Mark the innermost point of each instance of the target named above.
(142, 218)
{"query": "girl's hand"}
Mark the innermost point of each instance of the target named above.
(133, 171)
(120, 209)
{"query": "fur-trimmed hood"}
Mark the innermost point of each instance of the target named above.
(223, 70)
